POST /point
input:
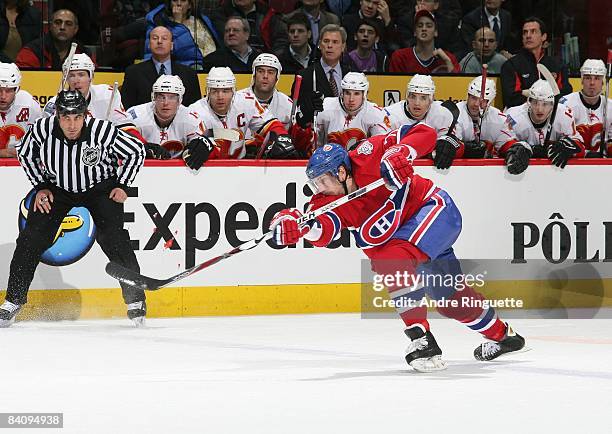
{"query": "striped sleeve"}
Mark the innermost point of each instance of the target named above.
(132, 151)
(29, 153)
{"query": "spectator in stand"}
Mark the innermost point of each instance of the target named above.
(299, 54)
(424, 57)
(177, 16)
(329, 71)
(497, 19)
(20, 23)
(342, 7)
(376, 10)
(317, 17)
(238, 54)
(365, 57)
(521, 71)
(50, 51)
(268, 30)
(484, 45)
(447, 14)
(139, 78)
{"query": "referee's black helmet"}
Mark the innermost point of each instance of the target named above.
(70, 102)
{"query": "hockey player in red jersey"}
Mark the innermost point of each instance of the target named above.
(408, 227)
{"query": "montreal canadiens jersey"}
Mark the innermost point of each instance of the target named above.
(279, 106)
(245, 115)
(589, 120)
(335, 125)
(376, 216)
(563, 126)
(495, 128)
(438, 117)
(99, 98)
(15, 122)
(185, 127)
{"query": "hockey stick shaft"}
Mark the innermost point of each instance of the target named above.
(483, 88)
(544, 71)
(68, 62)
(604, 130)
(109, 109)
(139, 281)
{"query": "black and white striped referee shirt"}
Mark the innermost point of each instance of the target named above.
(48, 158)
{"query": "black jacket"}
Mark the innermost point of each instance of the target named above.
(139, 78)
(290, 65)
(521, 71)
(28, 22)
(473, 20)
(306, 90)
(225, 57)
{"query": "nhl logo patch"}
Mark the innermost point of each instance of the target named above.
(90, 155)
(327, 148)
(365, 148)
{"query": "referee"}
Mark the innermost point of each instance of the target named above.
(72, 160)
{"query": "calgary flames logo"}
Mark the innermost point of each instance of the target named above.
(10, 134)
(347, 138)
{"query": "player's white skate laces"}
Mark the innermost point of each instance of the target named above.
(8, 312)
(424, 364)
(511, 342)
(136, 312)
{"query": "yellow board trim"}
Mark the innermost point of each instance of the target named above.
(289, 299)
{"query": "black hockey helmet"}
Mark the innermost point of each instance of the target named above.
(70, 102)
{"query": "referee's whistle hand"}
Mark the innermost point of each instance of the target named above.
(43, 201)
(118, 195)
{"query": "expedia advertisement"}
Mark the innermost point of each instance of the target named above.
(178, 218)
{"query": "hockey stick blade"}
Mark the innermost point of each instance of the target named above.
(226, 134)
(132, 278)
(544, 71)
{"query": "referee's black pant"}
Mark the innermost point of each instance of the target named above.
(40, 230)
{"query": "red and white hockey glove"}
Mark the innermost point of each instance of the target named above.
(396, 167)
(285, 227)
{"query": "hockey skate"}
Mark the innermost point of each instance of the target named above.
(423, 353)
(137, 312)
(8, 312)
(512, 341)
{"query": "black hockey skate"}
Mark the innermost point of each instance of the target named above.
(423, 353)
(8, 312)
(137, 312)
(512, 341)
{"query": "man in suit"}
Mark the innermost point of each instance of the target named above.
(139, 78)
(318, 18)
(237, 54)
(497, 19)
(329, 71)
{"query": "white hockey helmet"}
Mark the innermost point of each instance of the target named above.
(267, 59)
(80, 62)
(421, 84)
(10, 76)
(355, 81)
(541, 91)
(168, 84)
(593, 67)
(220, 77)
(476, 86)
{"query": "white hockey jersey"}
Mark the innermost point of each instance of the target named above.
(589, 121)
(438, 117)
(245, 115)
(335, 125)
(185, 127)
(563, 126)
(99, 99)
(15, 122)
(279, 106)
(495, 129)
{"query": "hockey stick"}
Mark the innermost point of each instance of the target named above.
(603, 148)
(68, 62)
(483, 87)
(223, 134)
(295, 96)
(315, 143)
(543, 70)
(109, 109)
(139, 281)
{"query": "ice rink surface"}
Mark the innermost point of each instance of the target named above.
(303, 374)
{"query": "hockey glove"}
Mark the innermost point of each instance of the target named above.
(197, 152)
(153, 150)
(562, 150)
(396, 167)
(446, 149)
(475, 149)
(280, 147)
(285, 227)
(538, 151)
(517, 158)
(592, 154)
